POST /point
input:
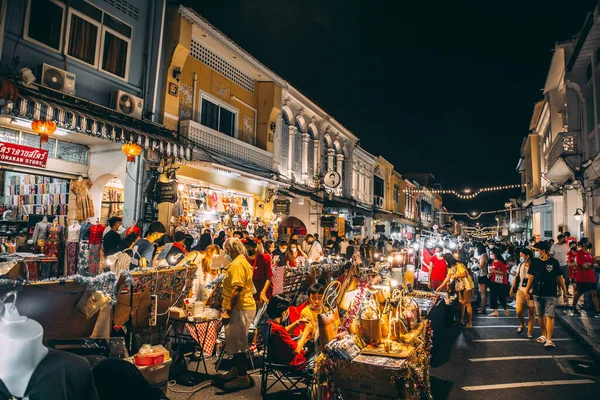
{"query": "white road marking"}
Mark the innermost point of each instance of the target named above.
(528, 384)
(550, 356)
(508, 326)
(514, 340)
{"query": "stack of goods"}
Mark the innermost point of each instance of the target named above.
(425, 300)
(34, 194)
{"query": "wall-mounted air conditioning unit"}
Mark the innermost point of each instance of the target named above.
(127, 104)
(58, 79)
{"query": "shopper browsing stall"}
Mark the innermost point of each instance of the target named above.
(438, 269)
(143, 250)
(464, 287)
(294, 255)
(239, 309)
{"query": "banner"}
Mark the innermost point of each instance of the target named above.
(341, 227)
(23, 155)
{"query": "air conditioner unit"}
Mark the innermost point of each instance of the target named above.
(128, 104)
(58, 79)
(379, 201)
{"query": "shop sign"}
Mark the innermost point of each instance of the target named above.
(281, 207)
(150, 212)
(341, 226)
(23, 155)
(166, 192)
(379, 228)
(358, 221)
(327, 221)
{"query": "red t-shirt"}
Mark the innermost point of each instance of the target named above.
(440, 269)
(426, 258)
(260, 273)
(571, 257)
(585, 275)
(283, 347)
(499, 266)
(134, 228)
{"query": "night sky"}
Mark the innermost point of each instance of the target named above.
(432, 86)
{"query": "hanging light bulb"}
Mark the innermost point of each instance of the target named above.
(578, 215)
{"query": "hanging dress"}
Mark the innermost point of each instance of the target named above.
(83, 200)
(83, 266)
(52, 248)
(72, 248)
(96, 235)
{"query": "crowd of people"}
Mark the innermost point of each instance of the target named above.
(538, 276)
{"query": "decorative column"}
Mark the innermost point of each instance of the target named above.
(355, 181)
(330, 156)
(316, 158)
(292, 132)
(305, 140)
(340, 170)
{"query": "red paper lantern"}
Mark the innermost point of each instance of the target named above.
(44, 128)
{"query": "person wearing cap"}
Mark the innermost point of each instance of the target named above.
(112, 239)
(544, 275)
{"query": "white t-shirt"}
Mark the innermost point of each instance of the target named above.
(559, 252)
(512, 274)
(313, 250)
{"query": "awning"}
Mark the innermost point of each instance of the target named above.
(77, 118)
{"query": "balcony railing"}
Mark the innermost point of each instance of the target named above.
(225, 145)
(566, 144)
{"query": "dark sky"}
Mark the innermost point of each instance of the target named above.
(432, 86)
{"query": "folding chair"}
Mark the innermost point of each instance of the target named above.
(260, 314)
(290, 376)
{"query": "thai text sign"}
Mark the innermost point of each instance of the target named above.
(24, 155)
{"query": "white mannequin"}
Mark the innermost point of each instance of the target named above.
(21, 348)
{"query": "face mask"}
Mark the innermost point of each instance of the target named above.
(537, 254)
(294, 249)
(228, 257)
(574, 248)
(492, 256)
(522, 259)
(438, 253)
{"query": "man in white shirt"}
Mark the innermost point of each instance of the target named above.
(559, 251)
(312, 248)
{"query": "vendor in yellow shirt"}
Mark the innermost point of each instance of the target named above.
(239, 309)
(314, 307)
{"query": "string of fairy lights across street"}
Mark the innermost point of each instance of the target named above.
(467, 194)
(476, 215)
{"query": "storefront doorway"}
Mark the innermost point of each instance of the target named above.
(289, 226)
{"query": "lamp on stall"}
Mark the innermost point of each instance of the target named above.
(131, 150)
(44, 128)
(578, 214)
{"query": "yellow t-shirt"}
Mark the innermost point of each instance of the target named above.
(312, 316)
(461, 270)
(239, 273)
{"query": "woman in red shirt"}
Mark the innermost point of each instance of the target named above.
(586, 278)
(283, 349)
(438, 269)
(499, 282)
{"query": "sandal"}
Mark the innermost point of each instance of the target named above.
(542, 339)
(494, 314)
(506, 313)
(520, 330)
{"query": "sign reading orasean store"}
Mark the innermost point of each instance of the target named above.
(23, 155)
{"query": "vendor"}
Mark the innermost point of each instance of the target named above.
(283, 349)
(315, 307)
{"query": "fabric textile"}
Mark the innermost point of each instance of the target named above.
(72, 257)
(94, 259)
(54, 238)
(83, 255)
(83, 198)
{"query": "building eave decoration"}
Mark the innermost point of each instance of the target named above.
(197, 20)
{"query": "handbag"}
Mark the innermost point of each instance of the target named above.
(370, 322)
(329, 321)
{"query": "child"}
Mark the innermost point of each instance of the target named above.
(314, 308)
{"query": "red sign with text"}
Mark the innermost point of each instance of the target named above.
(24, 155)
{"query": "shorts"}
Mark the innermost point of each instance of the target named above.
(465, 296)
(583, 287)
(236, 331)
(484, 280)
(522, 299)
(565, 273)
(545, 306)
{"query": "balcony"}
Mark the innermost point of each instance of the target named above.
(227, 146)
(565, 145)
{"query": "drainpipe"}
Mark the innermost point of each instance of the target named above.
(194, 85)
(159, 57)
(151, 23)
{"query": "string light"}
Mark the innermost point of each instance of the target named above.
(468, 193)
(475, 215)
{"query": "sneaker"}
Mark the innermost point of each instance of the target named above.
(529, 336)
(241, 382)
(229, 375)
(549, 343)
(542, 339)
